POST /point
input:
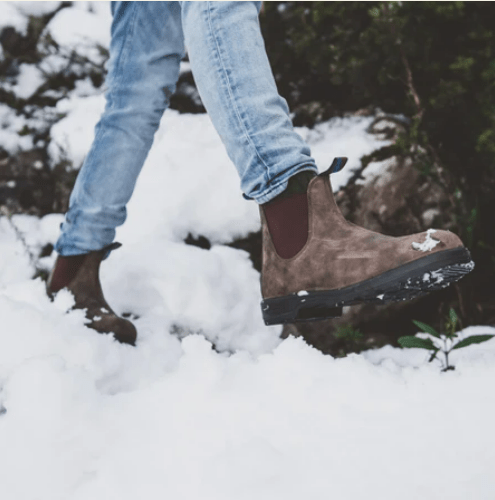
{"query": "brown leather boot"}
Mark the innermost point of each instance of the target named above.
(80, 275)
(340, 264)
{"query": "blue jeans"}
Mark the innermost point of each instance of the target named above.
(235, 82)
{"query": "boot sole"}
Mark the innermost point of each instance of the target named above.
(406, 282)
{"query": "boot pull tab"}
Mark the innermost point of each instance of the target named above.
(336, 166)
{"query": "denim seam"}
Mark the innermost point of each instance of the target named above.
(231, 90)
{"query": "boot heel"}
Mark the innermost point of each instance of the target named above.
(295, 309)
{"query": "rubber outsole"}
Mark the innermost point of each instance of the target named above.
(406, 282)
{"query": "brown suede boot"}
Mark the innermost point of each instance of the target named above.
(336, 263)
(80, 275)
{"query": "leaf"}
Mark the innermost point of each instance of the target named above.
(453, 317)
(474, 339)
(426, 328)
(410, 341)
(433, 355)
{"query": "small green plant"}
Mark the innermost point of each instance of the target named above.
(348, 333)
(350, 340)
(442, 343)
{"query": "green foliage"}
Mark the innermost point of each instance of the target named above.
(350, 339)
(426, 328)
(416, 342)
(474, 339)
(431, 61)
(349, 333)
(444, 343)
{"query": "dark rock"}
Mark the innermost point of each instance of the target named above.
(46, 251)
(199, 241)
(13, 43)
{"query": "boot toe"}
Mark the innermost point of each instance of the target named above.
(448, 239)
(125, 332)
(122, 329)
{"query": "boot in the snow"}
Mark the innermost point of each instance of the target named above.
(338, 263)
(80, 275)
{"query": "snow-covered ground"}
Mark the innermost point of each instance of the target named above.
(84, 417)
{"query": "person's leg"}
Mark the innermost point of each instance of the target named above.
(314, 261)
(145, 53)
(235, 81)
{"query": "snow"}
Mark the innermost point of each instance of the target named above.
(52, 63)
(72, 136)
(10, 125)
(14, 260)
(345, 136)
(211, 403)
(37, 8)
(81, 27)
(185, 67)
(429, 243)
(429, 215)
(377, 172)
(90, 418)
(30, 78)
(11, 15)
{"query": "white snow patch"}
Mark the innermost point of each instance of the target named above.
(21, 236)
(81, 27)
(10, 15)
(10, 126)
(188, 185)
(85, 88)
(72, 136)
(30, 78)
(428, 244)
(36, 8)
(437, 276)
(434, 276)
(15, 264)
(185, 67)
(377, 172)
(339, 137)
(52, 63)
(429, 215)
(205, 425)
(468, 265)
